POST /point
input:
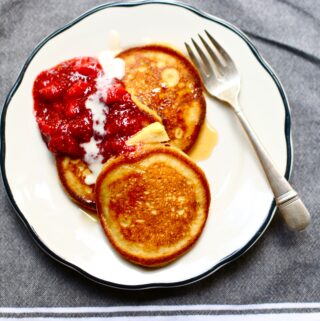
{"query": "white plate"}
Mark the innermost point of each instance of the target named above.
(242, 203)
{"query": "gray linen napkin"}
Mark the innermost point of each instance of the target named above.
(282, 267)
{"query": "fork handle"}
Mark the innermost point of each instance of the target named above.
(289, 203)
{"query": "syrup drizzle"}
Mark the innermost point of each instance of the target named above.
(205, 143)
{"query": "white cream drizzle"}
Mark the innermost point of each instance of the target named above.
(112, 68)
(98, 112)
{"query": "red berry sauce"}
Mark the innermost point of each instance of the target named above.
(60, 95)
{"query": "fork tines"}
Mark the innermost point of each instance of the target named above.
(219, 57)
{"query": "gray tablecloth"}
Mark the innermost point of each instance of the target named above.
(283, 266)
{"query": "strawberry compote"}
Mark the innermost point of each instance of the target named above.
(61, 96)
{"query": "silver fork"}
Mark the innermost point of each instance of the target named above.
(222, 80)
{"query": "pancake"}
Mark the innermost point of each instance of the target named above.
(152, 204)
(167, 82)
(73, 172)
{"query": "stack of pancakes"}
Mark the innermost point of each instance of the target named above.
(153, 202)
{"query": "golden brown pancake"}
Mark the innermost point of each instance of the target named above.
(152, 204)
(167, 82)
(73, 172)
